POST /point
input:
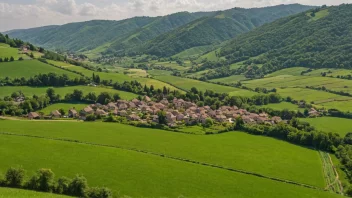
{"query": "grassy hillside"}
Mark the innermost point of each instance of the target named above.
(6, 52)
(217, 28)
(140, 175)
(316, 39)
(98, 36)
(258, 154)
(18, 193)
(187, 84)
(330, 124)
(29, 68)
(30, 91)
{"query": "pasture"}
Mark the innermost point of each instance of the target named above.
(293, 71)
(230, 79)
(65, 106)
(18, 193)
(187, 84)
(29, 68)
(6, 52)
(340, 105)
(116, 77)
(138, 174)
(282, 106)
(331, 124)
(237, 150)
(309, 95)
(30, 91)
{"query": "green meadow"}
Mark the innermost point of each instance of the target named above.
(65, 106)
(187, 84)
(340, 105)
(230, 79)
(18, 193)
(331, 124)
(293, 71)
(30, 91)
(29, 68)
(282, 106)
(140, 175)
(237, 150)
(116, 77)
(6, 52)
(309, 95)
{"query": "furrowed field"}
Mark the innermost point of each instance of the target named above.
(187, 84)
(330, 124)
(141, 175)
(30, 91)
(10, 192)
(29, 68)
(237, 150)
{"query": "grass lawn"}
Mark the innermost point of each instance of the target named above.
(29, 68)
(6, 52)
(187, 84)
(282, 106)
(19, 193)
(330, 124)
(30, 91)
(237, 150)
(65, 106)
(138, 174)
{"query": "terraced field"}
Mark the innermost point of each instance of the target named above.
(236, 150)
(330, 124)
(30, 91)
(187, 84)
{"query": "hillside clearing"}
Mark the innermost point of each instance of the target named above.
(19, 193)
(330, 124)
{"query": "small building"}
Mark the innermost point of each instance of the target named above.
(33, 115)
(86, 111)
(72, 113)
(133, 117)
(55, 114)
(100, 112)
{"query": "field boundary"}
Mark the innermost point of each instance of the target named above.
(173, 158)
(330, 174)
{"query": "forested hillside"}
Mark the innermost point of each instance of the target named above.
(217, 28)
(128, 36)
(315, 39)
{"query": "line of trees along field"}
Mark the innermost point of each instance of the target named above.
(44, 181)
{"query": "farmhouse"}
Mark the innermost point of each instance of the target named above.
(55, 114)
(72, 113)
(33, 115)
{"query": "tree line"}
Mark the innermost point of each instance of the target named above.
(44, 181)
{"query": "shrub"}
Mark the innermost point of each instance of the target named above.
(97, 192)
(78, 186)
(63, 185)
(90, 118)
(14, 177)
(43, 180)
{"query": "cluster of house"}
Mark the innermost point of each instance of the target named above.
(177, 111)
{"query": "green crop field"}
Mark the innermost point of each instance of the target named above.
(65, 106)
(18, 193)
(138, 174)
(294, 71)
(30, 91)
(187, 84)
(340, 105)
(309, 95)
(283, 105)
(331, 124)
(6, 52)
(29, 68)
(237, 150)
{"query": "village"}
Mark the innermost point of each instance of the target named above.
(177, 112)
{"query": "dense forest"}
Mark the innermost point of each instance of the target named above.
(320, 38)
(129, 35)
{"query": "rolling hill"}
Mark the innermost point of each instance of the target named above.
(217, 28)
(319, 38)
(129, 35)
